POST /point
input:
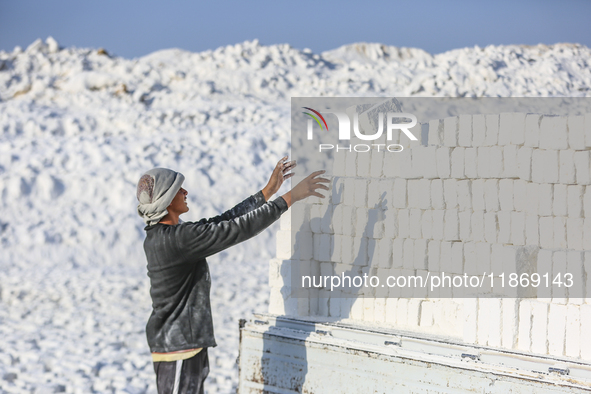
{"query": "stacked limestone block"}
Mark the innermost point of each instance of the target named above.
(505, 192)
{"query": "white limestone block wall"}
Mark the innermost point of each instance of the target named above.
(481, 193)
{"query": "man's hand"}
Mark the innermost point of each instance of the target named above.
(280, 173)
(306, 188)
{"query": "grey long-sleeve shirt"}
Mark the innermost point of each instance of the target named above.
(179, 274)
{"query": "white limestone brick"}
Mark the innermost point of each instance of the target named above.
(437, 215)
(483, 162)
(581, 159)
(361, 192)
(491, 194)
(504, 223)
(283, 244)
(433, 256)
(560, 233)
(427, 224)
(350, 164)
(443, 157)
(408, 253)
(457, 258)
(379, 310)
(509, 258)
(470, 163)
(574, 233)
(492, 129)
(435, 136)
(373, 193)
(326, 220)
(322, 247)
(360, 251)
(451, 225)
(427, 311)
(477, 226)
(465, 218)
(399, 193)
(493, 307)
(560, 197)
(539, 327)
(339, 165)
(553, 133)
(391, 309)
(397, 252)
(465, 130)
(587, 202)
(545, 167)
(524, 162)
(361, 222)
(518, 131)
(457, 163)
(403, 223)
(363, 163)
(377, 164)
(478, 195)
(510, 166)
(392, 164)
(520, 201)
(391, 223)
(567, 167)
(419, 193)
(505, 128)
(496, 162)
(491, 227)
(450, 131)
(587, 130)
(585, 343)
(546, 229)
(483, 258)
(424, 161)
(384, 253)
(349, 218)
(532, 194)
(587, 234)
(545, 200)
(349, 191)
(420, 254)
(347, 255)
(445, 257)
(575, 201)
(532, 130)
(556, 329)
(437, 200)
(576, 266)
(510, 323)
(576, 132)
(464, 194)
(518, 228)
(375, 223)
(415, 223)
(559, 266)
(470, 320)
(532, 233)
(478, 130)
(525, 327)
(505, 194)
(450, 193)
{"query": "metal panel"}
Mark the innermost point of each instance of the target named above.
(283, 355)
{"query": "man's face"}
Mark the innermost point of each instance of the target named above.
(179, 202)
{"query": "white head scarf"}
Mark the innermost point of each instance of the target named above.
(155, 191)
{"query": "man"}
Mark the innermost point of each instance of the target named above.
(180, 328)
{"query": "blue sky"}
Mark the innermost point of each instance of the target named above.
(132, 28)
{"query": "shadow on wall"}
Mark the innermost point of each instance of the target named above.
(278, 374)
